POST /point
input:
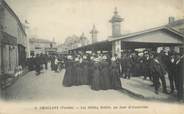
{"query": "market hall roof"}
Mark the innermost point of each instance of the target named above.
(150, 38)
(135, 34)
(154, 37)
(102, 45)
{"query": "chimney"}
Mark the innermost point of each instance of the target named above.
(171, 20)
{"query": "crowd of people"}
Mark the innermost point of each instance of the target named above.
(103, 71)
(40, 61)
(156, 66)
(97, 71)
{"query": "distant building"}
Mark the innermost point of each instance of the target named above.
(73, 42)
(62, 49)
(38, 46)
(94, 33)
(13, 40)
(83, 40)
(177, 25)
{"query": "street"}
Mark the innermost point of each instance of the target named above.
(46, 90)
(48, 86)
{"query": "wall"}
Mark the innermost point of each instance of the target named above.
(13, 27)
(9, 52)
(9, 24)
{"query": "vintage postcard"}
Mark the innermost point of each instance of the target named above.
(91, 56)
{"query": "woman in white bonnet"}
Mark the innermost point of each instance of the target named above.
(84, 74)
(68, 77)
(90, 68)
(105, 74)
(95, 81)
(76, 71)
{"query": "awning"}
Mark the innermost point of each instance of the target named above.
(101, 46)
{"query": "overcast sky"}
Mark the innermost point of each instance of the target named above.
(62, 18)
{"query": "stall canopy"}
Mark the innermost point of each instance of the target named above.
(102, 46)
(151, 38)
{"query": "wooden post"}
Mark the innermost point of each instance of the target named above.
(116, 48)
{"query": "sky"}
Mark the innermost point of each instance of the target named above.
(59, 19)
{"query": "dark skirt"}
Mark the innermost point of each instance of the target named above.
(84, 75)
(95, 82)
(74, 75)
(90, 73)
(68, 78)
(116, 82)
(78, 75)
(105, 79)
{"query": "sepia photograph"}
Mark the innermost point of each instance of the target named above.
(92, 56)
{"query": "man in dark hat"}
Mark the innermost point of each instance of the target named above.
(128, 65)
(179, 77)
(158, 72)
(146, 61)
(37, 62)
(45, 60)
(172, 71)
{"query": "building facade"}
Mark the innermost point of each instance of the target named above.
(13, 39)
(38, 46)
(73, 42)
(94, 33)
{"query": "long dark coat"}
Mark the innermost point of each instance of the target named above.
(78, 74)
(68, 77)
(90, 71)
(37, 62)
(95, 82)
(115, 76)
(180, 78)
(84, 75)
(75, 73)
(105, 79)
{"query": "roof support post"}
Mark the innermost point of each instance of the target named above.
(116, 48)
